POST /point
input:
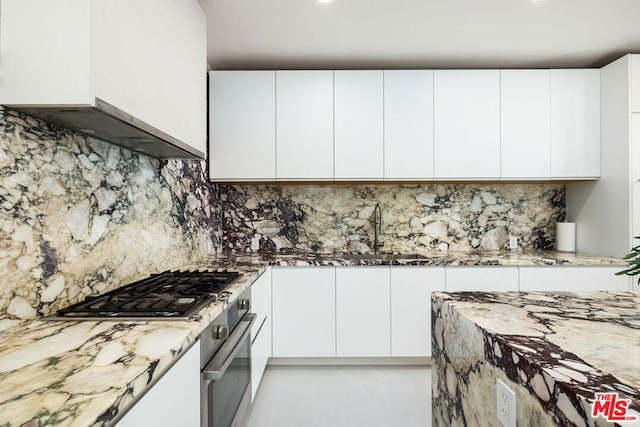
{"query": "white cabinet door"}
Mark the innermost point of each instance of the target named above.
(242, 110)
(481, 278)
(358, 124)
(304, 315)
(408, 124)
(467, 124)
(304, 125)
(575, 123)
(572, 278)
(260, 353)
(635, 83)
(524, 109)
(261, 301)
(411, 289)
(261, 329)
(174, 400)
(363, 311)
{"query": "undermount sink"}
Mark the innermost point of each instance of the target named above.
(381, 256)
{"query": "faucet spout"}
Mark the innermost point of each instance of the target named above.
(377, 227)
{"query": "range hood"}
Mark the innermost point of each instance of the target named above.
(108, 123)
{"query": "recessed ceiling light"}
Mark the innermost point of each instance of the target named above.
(324, 1)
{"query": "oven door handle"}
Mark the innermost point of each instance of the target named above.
(225, 355)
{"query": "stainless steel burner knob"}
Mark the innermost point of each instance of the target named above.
(243, 304)
(222, 332)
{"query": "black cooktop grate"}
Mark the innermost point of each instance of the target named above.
(171, 294)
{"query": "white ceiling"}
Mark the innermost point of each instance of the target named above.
(291, 34)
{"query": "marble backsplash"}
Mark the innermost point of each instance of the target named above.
(79, 216)
(417, 217)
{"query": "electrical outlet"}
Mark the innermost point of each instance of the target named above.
(513, 242)
(505, 404)
(255, 244)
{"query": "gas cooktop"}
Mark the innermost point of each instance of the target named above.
(168, 295)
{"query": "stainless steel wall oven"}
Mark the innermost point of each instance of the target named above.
(225, 388)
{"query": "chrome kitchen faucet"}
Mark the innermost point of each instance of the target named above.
(377, 227)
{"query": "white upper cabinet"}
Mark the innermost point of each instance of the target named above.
(242, 125)
(144, 59)
(575, 123)
(304, 125)
(467, 124)
(635, 83)
(405, 125)
(524, 109)
(358, 124)
(408, 124)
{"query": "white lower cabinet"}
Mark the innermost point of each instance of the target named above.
(261, 301)
(174, 400)
(261, 329)
(363, 326)
(481, 278)
(260, 353)
(566, 278)
(411, 289)
(386, 311)
(304, 312)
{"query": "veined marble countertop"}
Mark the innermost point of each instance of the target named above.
(512, 258)
(82, 373)
(563, 347)
(86, 373)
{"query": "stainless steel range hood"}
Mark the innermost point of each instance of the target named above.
(110, 124)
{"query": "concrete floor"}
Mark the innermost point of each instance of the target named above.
(343, 396)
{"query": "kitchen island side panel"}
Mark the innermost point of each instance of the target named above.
(543, 346)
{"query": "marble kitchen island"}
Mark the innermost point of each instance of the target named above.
(555, 350)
